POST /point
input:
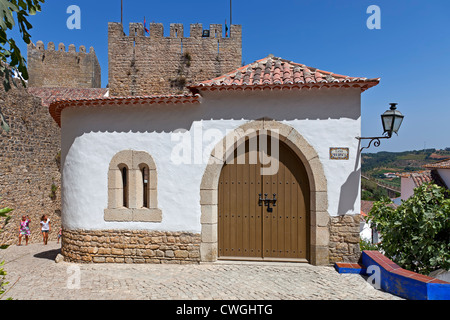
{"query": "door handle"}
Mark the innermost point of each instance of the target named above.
(267, 201)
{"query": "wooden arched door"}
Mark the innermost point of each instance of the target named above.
(251, 224)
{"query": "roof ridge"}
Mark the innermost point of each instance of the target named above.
(437, 164)
(272, 71)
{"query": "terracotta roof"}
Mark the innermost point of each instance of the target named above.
(419, 177)
(278, 73)
(443, 164)
(48, 95)
(366, 206)
(57, 106)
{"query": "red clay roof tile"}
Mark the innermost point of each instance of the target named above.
(419, 177)
(274, 71)
(443, 164)
(48, 95)
(57, 106)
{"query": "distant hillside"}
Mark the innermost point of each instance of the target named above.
(375, 165)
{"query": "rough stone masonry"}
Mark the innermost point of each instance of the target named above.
(30, 159)
(62, 69)
(137, 246)
(158, 65)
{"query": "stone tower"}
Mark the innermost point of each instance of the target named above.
(59, 68)
(141, 65)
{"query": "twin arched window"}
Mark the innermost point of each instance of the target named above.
(132, 188)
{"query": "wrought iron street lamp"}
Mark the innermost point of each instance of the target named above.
(392, 120)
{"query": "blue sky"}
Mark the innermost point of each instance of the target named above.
(410, 53)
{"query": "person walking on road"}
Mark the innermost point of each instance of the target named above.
(45, 228)
(59, 234)
(24, 229)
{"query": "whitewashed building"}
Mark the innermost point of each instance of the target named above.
(412, 180)
(440, 172)
(259, 164)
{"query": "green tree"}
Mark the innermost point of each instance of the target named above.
(11, 59)
(371, 191)
(416, 235)
(3, 214)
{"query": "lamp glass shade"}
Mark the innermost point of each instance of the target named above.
(397, 123)
(392, 120)
(387, 120)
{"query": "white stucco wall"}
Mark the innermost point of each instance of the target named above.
(92, 136)
(365, 231)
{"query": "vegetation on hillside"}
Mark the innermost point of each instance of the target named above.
(375, 166)
(371, 191)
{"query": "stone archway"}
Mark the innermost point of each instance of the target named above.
(319, 217)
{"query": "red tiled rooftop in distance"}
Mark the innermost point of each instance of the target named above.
(366, 206)
(419, 177)
(443, 164)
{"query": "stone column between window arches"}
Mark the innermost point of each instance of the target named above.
(134, 161)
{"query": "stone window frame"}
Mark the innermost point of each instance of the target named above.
(134, 161)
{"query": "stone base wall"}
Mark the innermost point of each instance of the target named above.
(344, 239)
(140, 246)
(124, 246)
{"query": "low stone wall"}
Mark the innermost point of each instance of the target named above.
(124, 246)
(344, 239)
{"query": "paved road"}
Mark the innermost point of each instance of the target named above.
(34, 275)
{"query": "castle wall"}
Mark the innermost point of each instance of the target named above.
(60, 68)
(141, 65)
(30, 159)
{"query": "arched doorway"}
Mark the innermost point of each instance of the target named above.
(319, 220)
(263, 214)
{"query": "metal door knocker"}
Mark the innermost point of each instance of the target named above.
(267, 201)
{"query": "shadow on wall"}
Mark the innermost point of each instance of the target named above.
(350, 188)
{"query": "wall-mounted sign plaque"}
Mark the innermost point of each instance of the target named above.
(339, 153)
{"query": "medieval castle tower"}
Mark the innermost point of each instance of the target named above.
(141, 65)
(61, 69)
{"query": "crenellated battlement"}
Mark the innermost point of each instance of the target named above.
(39, 46)
(176, 30)
(60, 67)
(145, 64)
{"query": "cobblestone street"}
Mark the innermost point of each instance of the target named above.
(34, 275)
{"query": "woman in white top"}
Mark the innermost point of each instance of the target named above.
(45, 228)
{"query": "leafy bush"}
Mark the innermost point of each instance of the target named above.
(416, 235)
(367, 245)
(4, 214)
(2, 279)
